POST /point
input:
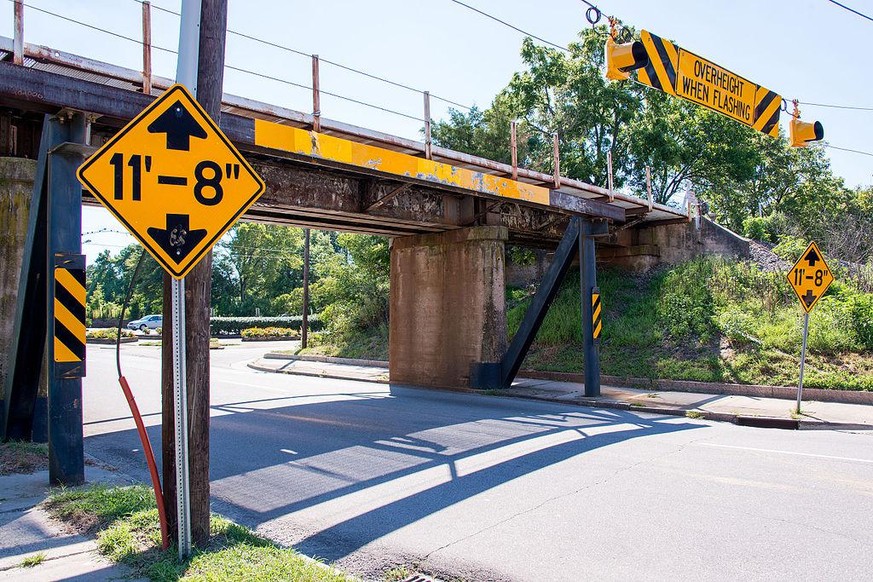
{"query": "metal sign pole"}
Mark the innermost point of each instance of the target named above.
(802, 359)
(180, 401)
(186, 73)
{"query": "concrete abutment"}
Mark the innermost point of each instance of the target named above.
(447, 305)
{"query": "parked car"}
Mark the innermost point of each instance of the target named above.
(147, 322)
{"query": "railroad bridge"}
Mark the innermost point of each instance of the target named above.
(449, 214)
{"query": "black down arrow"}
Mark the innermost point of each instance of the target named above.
(177, 240)
(179, 125)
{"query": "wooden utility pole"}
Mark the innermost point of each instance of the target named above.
(304, 325)
(198, 292)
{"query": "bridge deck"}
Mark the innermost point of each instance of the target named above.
(344, 177)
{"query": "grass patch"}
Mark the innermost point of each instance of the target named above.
(34, 560)
(364, 344)
(693, 414)
(128, 531)
(397, 574)
(22, 457)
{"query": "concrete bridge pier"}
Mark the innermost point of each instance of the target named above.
(447, 305)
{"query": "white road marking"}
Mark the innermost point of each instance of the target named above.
(831, 457)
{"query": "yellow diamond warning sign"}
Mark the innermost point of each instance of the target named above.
(173, 179)
(810, 277)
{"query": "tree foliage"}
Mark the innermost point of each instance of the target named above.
(744, 177)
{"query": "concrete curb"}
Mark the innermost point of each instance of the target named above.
(327, 360)
(260, 368)
(754, 390)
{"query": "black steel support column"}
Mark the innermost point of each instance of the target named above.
(588, 280)
(66, 452)
(27, 350)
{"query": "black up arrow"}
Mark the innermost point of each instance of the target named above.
(812, 257)
(177, 240)
(179, 125)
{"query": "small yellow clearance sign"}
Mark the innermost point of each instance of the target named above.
(706, 83)
(173, 179)
(810, 277)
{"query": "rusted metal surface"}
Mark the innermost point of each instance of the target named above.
(18, 40)
(316, 95)
(513, 146)
(147, 47)
(251, 108)
(428, 153)
(556, 154)
(360, 201)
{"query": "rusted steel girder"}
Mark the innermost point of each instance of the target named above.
(348, 191)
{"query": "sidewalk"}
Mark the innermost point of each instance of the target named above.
(742, 410)
(27, 531)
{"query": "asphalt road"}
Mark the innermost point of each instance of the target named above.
(485, 488)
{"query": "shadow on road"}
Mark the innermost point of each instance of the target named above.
(362, 466)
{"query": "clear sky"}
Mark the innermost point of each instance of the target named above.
(811, 50)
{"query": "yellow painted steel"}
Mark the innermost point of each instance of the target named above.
(73, 324)
(64, 278)
(335, 149)
(660, 72)
(684, 74)
(63, 353)
(705, 83)
(768, 106)
(801, 133)
(621, 59)
(596, 320)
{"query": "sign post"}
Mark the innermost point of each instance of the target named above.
(809, 277)
(178, 184)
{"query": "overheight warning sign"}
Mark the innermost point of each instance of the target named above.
(810, 277)
(173, 179)
(684, 74)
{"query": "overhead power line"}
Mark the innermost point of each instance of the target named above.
(323, 60)
(852, 107)
(833, 147)
(230, 67)
(512, 26)
(844, 7)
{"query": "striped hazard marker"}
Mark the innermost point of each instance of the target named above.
(69, 337)
(596, 320)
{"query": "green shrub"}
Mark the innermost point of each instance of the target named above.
(270, 332)
(756, 227)
(860, 310)
(686, 307)
(790, 248)
(107, 333)
(235, 325)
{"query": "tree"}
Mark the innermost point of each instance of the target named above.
(558, 94)
(688, 146)
(258, 261)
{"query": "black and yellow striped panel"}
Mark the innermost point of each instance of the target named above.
(596, 320)
(660, 73)
(69, 304)
(768, 105)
